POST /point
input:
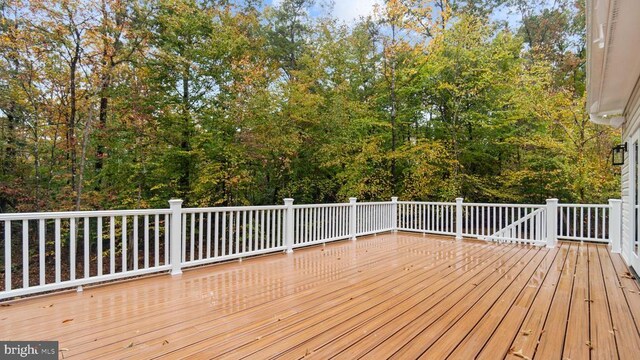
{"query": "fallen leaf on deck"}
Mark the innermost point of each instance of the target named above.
(66, 321)
(47, 306)
(165, 342)
(588, 300)
(520, 355)
(628, 275)
(588, 343)
(526, 332)
(129, 346)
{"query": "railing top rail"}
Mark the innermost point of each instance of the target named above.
(308, 206)
(504, 205)
(427, 202)
(80, 214)
(584, 205)
(374, 203)
(233, 208)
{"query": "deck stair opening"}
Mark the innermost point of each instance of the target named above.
(528, 229)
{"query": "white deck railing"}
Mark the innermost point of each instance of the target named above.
(77, 248)
(225, 233)
(427, 217)
(373, 217)
(49, 251)
(486, 220)
(320, 223)
(589, 222)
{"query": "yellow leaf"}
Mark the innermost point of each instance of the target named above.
(520, 354)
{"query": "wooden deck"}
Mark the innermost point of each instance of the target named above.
(388, 296)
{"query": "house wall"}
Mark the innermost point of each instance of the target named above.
(631, 125)
(626, 201)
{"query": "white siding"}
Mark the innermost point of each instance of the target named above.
(631, 125)
(626, 200)
(632, 113)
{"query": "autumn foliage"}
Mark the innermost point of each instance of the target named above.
(128, 103)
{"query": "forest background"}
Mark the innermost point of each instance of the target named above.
(113, 104)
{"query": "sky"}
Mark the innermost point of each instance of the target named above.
(352, 9)
(348, 10)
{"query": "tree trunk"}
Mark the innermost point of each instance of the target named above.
(185, 145)
(102, 122)
(9, 161)
(393, 95)
(73, 110)
(83, 155)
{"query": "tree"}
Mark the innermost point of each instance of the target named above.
(126, 103)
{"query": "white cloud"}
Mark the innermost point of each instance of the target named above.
(348, 10)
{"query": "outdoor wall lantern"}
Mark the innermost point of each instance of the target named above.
(617, 154)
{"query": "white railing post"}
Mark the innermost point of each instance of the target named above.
(352, 218)
(615, 225)
(552, 222)
(175, 246)
(394, 214)
(288, 202)
(459, 218)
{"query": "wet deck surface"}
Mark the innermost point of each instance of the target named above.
(388, 296)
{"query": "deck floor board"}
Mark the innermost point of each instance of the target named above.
(577, 338)
(391, 295)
